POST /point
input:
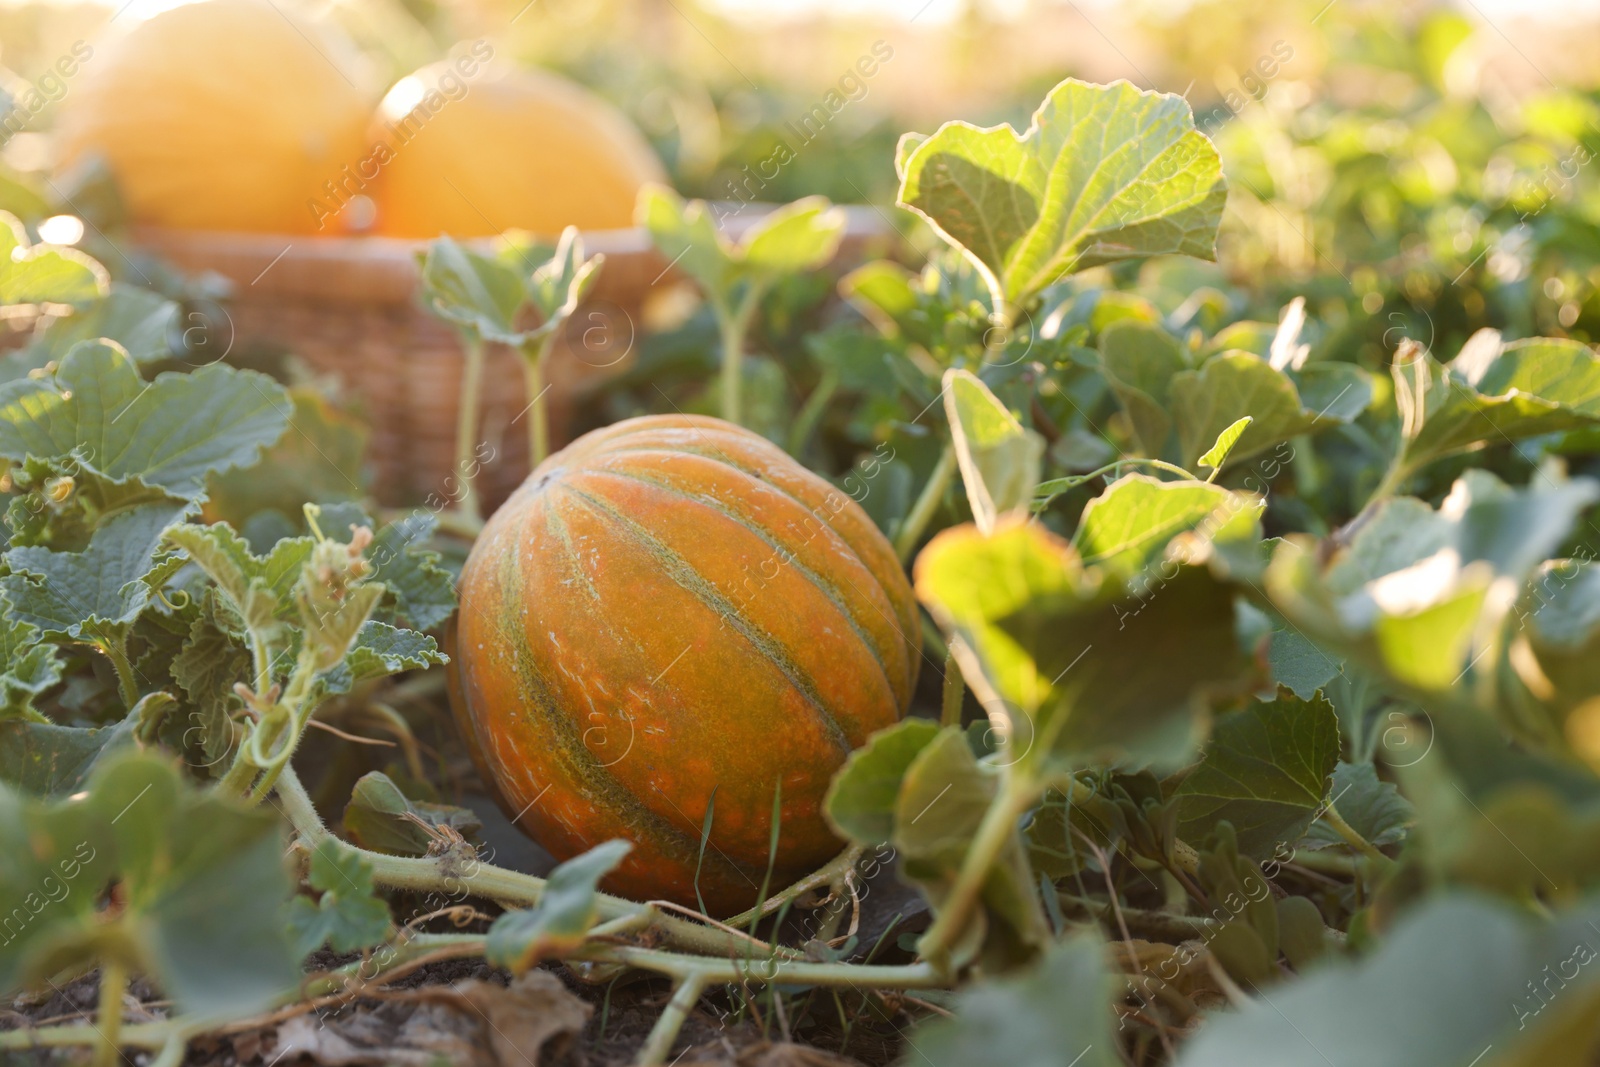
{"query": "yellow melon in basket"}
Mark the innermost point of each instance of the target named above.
(473, 153)
(221, 115)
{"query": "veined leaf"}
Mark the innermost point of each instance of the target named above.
(478, 293)
(170, 433)
(1265, 771)
(58, 278)
(30, 666)
(134, 318)
(1409, 594)
(999, 458)
(43, 759)
(95, 594)
(380, 649)
(1492, 393)
(1232, 385)
(861, 800)
(1059, 653)
(1103, 173)
(1140, 361)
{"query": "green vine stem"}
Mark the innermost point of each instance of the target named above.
(117, 653)
(811, 412)
(1351, 835)
(684, 997)
(998, 827)
(535, 355)
(955, 690)
(452, 875)
(922, 512)
(733, 324)
(108, 1024)
(467, 423)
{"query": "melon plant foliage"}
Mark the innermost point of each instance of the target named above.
(1271, 719)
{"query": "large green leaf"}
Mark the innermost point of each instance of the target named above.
(44, 759)
(194, 872)
(170, 433)
(1232, 385)
(44, 274)
(998, 456)
(29, 666)
(1103, 173)
(1492, 393)
(1060, 654)
(1409, 594)
(137, 319)
(1456, 984)
(95, 594)
(1265, 771)
(1059, 1015)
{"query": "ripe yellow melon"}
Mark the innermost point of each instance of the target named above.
(221, 115)
(479, 155)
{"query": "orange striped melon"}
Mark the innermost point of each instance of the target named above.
(670, 610)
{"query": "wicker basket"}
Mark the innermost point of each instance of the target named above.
(348, 306)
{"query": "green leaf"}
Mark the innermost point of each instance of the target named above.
(380, 650)
(258, 587)
(999, 459)
(1409, 594)
(1265, 771)
(796, 237)
(1232, 385)
(861, 799)
(207, 667)
(1562, 611)
(30, 667)
(317, 461)
(424, 592)
(1126, 529)
(567, 910)
(43, 759)
(137, 319)
(382, 818)
(686, 235)
(1060, 654)
(940, 808)
(1456, 983)
(1373, 808)
(560, 283)
(478, 293)
(193, 872)
(1295, 661)
(170, 433)
(882, 291)
(96, 594)
(1059, 1014)
(44, 274)
(1215, 456)
(1139, 361)
(1103, 173)
(1492, 393)
(349, 916)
